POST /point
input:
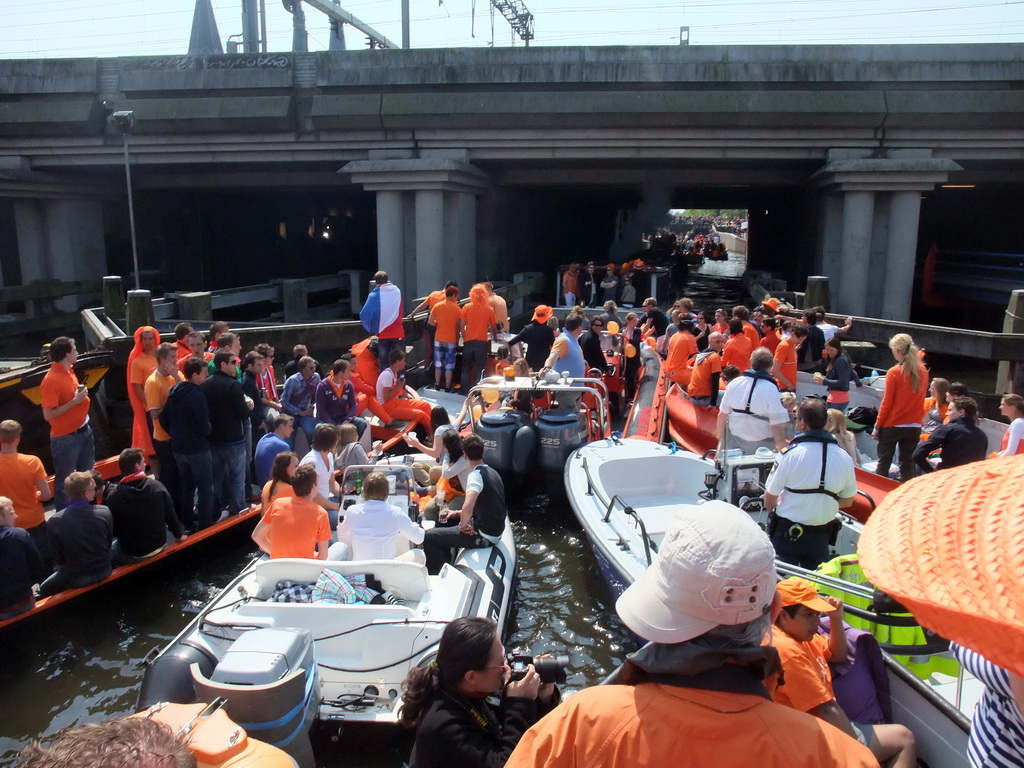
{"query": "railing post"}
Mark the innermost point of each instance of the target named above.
(196, 306)
(817, 293)
(139, 311)
(1010, 375)
(295, 298)
(113, 296)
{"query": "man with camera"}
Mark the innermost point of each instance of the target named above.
(695, 693)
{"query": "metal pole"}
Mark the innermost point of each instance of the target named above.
(263, 26)
(131, 211)
(405, 23)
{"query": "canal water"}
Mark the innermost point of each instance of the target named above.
(83, 663)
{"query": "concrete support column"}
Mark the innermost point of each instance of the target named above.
(391, 235)
(832, 236)
(430, 241)
(196, 306)
(858, 226)
(295, 299)
(900, 254)
(113, 296)
(460, 254)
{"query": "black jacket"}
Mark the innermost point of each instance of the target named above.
(961, 442)
(143, 511)
(448, 736)
(186, 417)
(20, 566)
(227, 409)
(538, 338)
(590, 343)
(80, 537)
(251, 387)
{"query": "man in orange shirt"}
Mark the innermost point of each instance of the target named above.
(181, 347)
(681, 348)
(295, 526)
(23, 481)
(66, 407)
(771, 337)
(707, 369)
(157, 386)
(785, 366)
(445, 324)
(738, 348)
(478, 322)
(433, 299)
(742, 314)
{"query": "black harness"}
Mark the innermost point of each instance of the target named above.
(756, 376)
(814, 436)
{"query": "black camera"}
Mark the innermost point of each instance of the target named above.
(550, 668)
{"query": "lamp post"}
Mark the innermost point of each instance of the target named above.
(125, 122)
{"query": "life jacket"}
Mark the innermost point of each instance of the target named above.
(814, 436)
(756, 376)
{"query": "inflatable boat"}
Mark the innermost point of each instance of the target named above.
(280, 645)
(625, 492)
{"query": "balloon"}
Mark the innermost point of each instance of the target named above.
(612, 327)
(651, 342)
(489, 395)
(630, 350)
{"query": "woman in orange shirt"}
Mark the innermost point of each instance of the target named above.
(902, 408)
(279, 486)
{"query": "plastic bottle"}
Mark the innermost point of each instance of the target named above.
(358, 487)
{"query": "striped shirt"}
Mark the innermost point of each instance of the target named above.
(997, 729)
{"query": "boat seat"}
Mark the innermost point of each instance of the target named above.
(403, 579)
(657, 512)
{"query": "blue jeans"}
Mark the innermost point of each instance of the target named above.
(361, 424)
(71, 453)
(229, 476)
(307, 424)
(384, 347)
(196, 476)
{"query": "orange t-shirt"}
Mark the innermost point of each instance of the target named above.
(771, 340)
(157, 387)
(142, 368)
(785, 354)
(19, 475)
(59, 386)
(447, 315)
(681, 347)
(435, 298)
(901, 404)
(808, 680)
(296, 525)
(703, 369)
(478, 319)
(737, 352)
(282, 491)
(751, 333)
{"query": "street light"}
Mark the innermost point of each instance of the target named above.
(125, 123)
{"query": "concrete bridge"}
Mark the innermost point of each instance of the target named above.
(492, 161)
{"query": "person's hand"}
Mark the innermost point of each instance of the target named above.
(80, 395)
(836, 614)
(527, 688)
(874, 433)
(467, 528)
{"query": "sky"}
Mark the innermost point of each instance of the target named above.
(103, 28)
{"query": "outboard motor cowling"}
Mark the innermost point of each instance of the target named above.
(561, 431)
(498, 430)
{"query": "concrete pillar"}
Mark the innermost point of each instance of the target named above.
(858, 226)
(817, 293)
(460, 254)
(391, 236)
(295, 298)
(1010, 374)
(358, 280)
(831, 236)
(113, 296)
(139, 311)
(196, 307)
(431, 263)
(900, 255)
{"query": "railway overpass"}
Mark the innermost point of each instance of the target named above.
(471, 162)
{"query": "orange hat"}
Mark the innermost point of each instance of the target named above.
(950, 547)
(797, 591)
(771, 303)
(542, 313)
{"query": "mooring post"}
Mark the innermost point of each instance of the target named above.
(196, 306)
(295, 298)
(139, 311)
(113, 296)
(1010, 375)
(817, 293)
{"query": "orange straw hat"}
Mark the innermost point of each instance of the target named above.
(771, 303)
(950, 547)
(542, 313)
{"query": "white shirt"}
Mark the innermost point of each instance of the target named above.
(767, 401)
(385, 381)
(323, 471)
(828, 330)
(799, 466)
(373, 527)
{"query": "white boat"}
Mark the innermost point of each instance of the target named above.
(625, 492)
(284, 665)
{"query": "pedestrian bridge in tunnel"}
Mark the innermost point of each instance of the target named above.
(461, 152)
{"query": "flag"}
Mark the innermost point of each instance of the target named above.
(381, 315)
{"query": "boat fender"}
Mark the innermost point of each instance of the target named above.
(169, 677)
(524, 450)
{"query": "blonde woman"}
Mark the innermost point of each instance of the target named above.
(902, 408)
(837, 428)
(1012, 407)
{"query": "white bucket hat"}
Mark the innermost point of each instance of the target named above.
(714, 567)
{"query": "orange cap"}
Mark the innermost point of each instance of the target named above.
(797, 591)
(950, 547)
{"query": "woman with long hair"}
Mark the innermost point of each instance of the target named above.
(451, 488)
(279, 485)
(936, 406)
(446, 701)
(902, 409)
(1012, 407)
(836, 426)
(838, 375)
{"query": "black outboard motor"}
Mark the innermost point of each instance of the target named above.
(169, 676)
(505, 433)
(561, 431)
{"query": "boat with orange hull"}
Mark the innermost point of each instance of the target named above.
(693, 427)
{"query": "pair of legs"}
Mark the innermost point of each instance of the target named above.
(307, 424)
(71, 453)
(474, 360)
(196, 474)
(169, 475)
(62, 580)
(439, 543)
(384, 347)
(906, 438)
(229, 476)
(409, 410)
(892, 745)
(444, 359)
